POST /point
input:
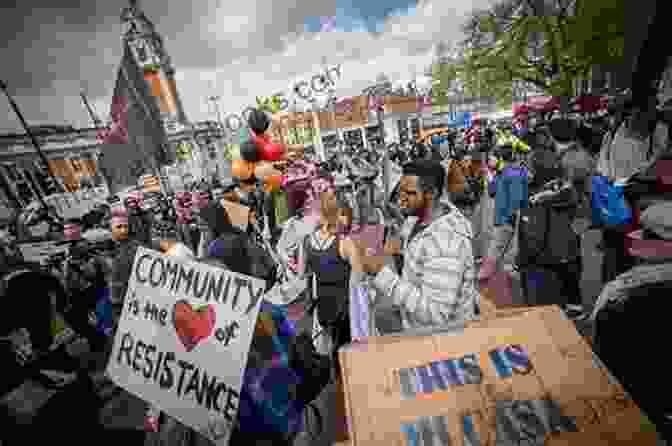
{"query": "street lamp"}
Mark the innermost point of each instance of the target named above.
(214, 100)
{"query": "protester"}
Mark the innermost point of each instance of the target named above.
(437, 284)
(633, 308)
(325, 253)
(125, 254)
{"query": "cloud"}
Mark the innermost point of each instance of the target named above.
(236, 50)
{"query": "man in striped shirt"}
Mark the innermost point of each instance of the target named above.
(437, 284)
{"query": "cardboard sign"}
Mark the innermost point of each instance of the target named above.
(40, 252)
(183, 340)
(238, 214)
(77, 204)
(519, 355)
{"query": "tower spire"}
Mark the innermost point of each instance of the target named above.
(148, 49)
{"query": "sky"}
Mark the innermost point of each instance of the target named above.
(233, 49)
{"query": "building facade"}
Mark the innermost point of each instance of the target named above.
(73, 155)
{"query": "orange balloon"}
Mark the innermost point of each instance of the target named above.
(242, 169)
(273, 183)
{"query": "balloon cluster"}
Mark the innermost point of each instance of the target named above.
(260, 147)
(258, 153)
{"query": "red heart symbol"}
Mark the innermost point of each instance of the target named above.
(193, 325)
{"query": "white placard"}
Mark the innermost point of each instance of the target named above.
(40, 252)
(183, 340)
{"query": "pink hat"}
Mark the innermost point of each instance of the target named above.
(119, 216)
(72, 232)
(135, 199)
(200, 199)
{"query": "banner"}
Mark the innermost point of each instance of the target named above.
(40, 252)
(355, 115)
(136, 141)
(401, 104)
(71, 205)
(183, 340)
(348, 113)
(294, 128)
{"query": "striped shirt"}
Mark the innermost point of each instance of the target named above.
(438, 281)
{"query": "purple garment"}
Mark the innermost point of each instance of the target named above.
(516, 172)
(359, 313)
(266, 403)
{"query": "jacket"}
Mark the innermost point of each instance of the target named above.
(511, 193)
(437, 285)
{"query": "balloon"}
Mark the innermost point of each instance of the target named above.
(249, 151)
(242, 169)
(269, 151)
(273, 183)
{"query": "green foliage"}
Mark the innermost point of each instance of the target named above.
(269, 104)
(443, 77)
(183, 151)
(509, 42)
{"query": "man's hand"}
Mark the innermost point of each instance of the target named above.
(360, 260)
(392, 247)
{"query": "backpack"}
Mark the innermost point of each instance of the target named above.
(546, 237)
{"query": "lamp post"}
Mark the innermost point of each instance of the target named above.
(36, 144)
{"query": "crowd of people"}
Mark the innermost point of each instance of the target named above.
(498, 200)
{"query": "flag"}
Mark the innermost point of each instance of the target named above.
(135, 142)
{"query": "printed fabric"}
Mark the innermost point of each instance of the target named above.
(266, 402)
(438, 281)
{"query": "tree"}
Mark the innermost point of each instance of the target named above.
(443, 74)
(546, 44)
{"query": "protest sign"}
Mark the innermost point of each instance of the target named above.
(183, 339)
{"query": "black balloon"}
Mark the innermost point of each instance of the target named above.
(258, 121)
(248, 151)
